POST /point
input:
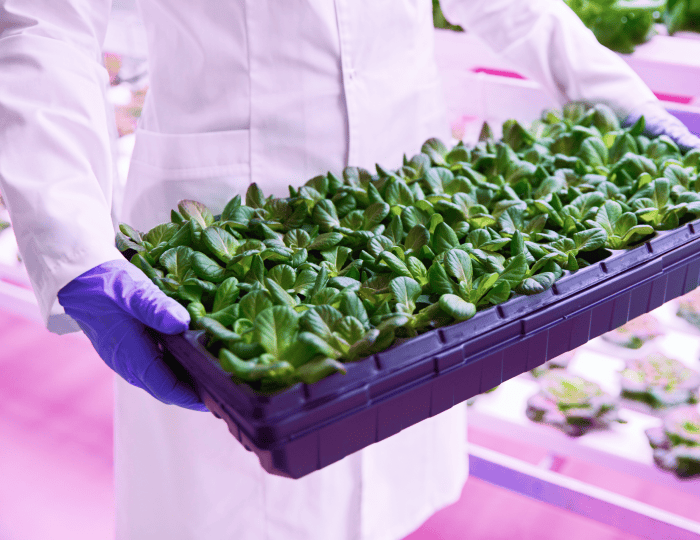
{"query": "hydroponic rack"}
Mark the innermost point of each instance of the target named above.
(622, 448)
(481, 86)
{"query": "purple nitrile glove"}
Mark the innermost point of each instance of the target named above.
(658, 121)
(113, 304)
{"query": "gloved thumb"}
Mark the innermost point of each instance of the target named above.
(137, 295)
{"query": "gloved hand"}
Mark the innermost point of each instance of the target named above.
(113, 303)
(658, 121)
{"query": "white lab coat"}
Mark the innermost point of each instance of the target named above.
(241, 91)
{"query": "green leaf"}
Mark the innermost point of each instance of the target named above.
(437, 178)
(398, 193)
(593, 152)
(248, 370)
(375, 214)
(417, 269)
(299, 257)
(161, 233)
(196, 310)
(279, 295)
(638, 127)
(516, 136)
(124, 243)
(605, 119)
(254, 197)
(350, 329)
(395, 264)
(230, 207)
(590, 239)
(320, 320)
(405, 291)
(551, 184)
(536, 284)
(514, 272)
(197, 211)
(623, 223)
(226, 294)
(637, 230)
(456, 308)
(140, 262)
(239, 217)
(284, 275)
(254, 303)
(216, 330)
(275, 329)
(499, 293)
(436, 150)
(459, 265)
(482, 286)
(297, 238)
(511, 220)
(438, 281)
(227, 316)
(317, 346)
(318, 369)
(176, 217)
(325, 241)
(662, 192)
(304, 281)
(444, 238)
(517, 244)
(220, 242)
(351, 306)
(131, 233)
(416, 238)
(207, 268)
(607, 216)
(325, 215)
(177, 261)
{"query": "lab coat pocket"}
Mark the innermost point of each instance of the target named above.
(166, 168)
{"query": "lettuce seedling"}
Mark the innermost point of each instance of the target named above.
(677, 443)
(620, 227)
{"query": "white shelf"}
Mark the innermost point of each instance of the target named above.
(668, 65)
(481, 86)
(622, 447)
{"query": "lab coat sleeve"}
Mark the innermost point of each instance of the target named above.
(550, 45)
(56, 168)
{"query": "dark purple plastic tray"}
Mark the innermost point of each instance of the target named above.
(307, 427)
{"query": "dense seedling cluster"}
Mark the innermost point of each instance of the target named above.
(290, 289)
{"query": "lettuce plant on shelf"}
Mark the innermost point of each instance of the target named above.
(620, 25)
(571, 404)
(659, 381)
(677, 443)
(682, 15)
(635, 333)
(689, 308)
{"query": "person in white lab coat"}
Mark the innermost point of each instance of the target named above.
(242, 91)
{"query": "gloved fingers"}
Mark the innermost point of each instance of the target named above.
(658, 121)
(161, 381)
(117, 288)
(136, 357)
(141, 298)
